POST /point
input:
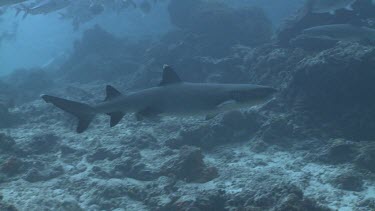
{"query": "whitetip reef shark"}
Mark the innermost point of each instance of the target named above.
(172, 96)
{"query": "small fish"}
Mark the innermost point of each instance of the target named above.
(345, 32)
(330, 6)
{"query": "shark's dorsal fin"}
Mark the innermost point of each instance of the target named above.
(112, 93)
(169, 76)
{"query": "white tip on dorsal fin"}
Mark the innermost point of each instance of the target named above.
(169, 76)
(111, 93)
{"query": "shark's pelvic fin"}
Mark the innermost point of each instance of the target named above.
(83, 112)
(116, 117)
(83, 124)
(112, 93)
(169, 76)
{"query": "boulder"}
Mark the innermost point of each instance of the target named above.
(189, 166)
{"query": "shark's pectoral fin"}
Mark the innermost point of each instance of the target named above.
(116, 117)
(83, 124)
(148, 113)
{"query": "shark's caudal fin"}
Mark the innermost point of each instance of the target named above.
(83, 112)
(112, 94)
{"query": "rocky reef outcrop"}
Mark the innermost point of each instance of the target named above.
(220, 23)
(335, 87)
(209, 31)
(361, 14)
(309, 148)
(100, 56)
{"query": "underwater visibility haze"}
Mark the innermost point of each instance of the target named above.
(180, 105)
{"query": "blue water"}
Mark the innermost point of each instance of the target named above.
(41, 38)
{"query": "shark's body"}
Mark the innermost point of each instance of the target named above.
(331, 6)
(345, 32)
(180, 98)
(172, 97)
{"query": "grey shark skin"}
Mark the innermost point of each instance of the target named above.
(345, 32)
(172, 96)
(330, 6)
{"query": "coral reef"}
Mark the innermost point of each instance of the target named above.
(246, 26)
(27, 84)
(343, 100)
(229, 128)
(303, 19)
(5, 206)
(6, 142)
(309, 148)
(189, 166)
(101, 56)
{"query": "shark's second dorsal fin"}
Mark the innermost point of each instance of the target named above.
(112, 93)
(169, 76)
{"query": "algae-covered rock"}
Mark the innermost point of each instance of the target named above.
(366, 157)
(231, 127)
(100, 56)
(304, 18)
(349, 181)
(6, 142)
(335, 87)
(189, 166)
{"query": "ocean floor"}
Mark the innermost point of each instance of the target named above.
(136, 166)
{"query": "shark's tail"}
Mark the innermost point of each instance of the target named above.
(83, 112)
